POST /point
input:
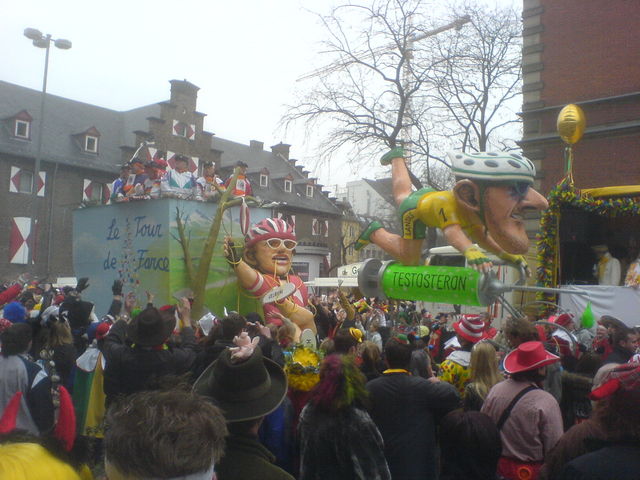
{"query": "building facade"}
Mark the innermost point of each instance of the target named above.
(584, 53)
(82, 148)
(283, 185)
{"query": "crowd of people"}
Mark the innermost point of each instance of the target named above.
(143, 180)
(389, 391)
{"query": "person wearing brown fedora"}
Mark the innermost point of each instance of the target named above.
(246, 387)
(528, 418)
(137, 353)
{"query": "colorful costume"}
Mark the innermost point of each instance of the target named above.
(183, 184)
(455, 370)
(207, 185)
(88, 393)
(430, 208)
(632, 278)
(264, 283)
(608, 270)
(117, 188)
(243, 186)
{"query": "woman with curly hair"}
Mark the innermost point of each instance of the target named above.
(338, 439)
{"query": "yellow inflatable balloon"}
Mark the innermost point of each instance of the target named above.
(571, 124)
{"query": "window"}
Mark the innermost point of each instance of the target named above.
(264, 180)
(309, 190)
(316, 228)
(91, 144)
(25, 184)
(287, 186)
(351, 231)
(180, 129)
(96, 192)
(22, 129)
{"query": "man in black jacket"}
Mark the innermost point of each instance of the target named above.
(406, 410)
(625, 343)
(137, 354)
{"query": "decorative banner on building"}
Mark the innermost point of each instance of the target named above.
(94, 191)
(106, 194)
(19, 240)
(193, 165)
(42, 176)
(14, 181)
(181, 129)
(290, 219)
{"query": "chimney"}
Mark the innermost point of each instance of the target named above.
(256, 145)
(281, 149)
(184, 94)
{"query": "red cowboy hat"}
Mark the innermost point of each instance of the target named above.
(528, 356)
(470, 327)
(623, 378)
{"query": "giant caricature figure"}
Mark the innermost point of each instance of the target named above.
(266, 262)
(487, 206)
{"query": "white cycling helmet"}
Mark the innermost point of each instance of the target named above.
(492, 166)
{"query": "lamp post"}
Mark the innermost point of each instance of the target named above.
(41, 41)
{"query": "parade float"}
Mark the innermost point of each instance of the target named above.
(171, 247)
(578, 219)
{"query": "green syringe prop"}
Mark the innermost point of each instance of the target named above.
(452, 285)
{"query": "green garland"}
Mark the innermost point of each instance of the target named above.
(565, 194)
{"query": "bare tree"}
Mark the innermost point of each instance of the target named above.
(396, 78)
(478, 79)
(364, 97)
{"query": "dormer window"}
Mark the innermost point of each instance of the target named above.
(88, 141)
(22, 125)
(22, 129)
(288, 184)
(91, 144)
(309, 190)
(264, 180)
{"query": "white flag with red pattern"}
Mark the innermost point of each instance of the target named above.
(245, 218)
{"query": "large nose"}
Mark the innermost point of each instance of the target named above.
(533, 199)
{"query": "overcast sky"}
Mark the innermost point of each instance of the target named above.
(244, 55)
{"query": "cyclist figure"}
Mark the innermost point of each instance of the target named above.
(268, 254)
(493, 191)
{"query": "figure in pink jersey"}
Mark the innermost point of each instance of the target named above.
(265, 264)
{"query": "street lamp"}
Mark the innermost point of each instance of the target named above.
(41, 41)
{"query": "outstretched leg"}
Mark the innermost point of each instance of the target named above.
(407, 252)
(400, 179)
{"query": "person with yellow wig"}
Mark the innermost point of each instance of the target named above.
(32, 461)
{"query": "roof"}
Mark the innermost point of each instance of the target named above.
(65, 118)
(278, 167)
(382, 187)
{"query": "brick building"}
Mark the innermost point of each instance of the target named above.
(82, 148)
(585, 53)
